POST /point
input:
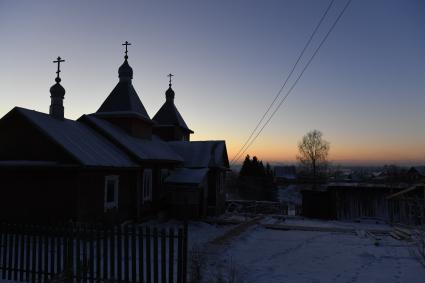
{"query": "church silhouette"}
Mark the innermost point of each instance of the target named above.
(110, 166)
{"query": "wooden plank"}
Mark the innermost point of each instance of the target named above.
(119, 253)
(39, 256)
(78, 266)
(395, 236)
(45, 255)
(16, 253)
(163, 257)
(9, 261)
(179, 256)
(133, 254)
(58, 244)
(185, 248)
(33, 255)
(105, 253)
(171, 256)
(91, 256)
(112, 247)
(404, 231)
(148, 255)
(85, 267)
(141, 255)
(5, 249)
(306, 228)
(52, 251)
(98, 255)
(126, 255)
(155, 255)
(1, 244)
(27, 254)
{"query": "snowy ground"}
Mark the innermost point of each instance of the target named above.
(263, 255)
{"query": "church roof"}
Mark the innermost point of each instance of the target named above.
(143, 149)
(123, 100)
(79, 140)
(199, 154)
(168, 115)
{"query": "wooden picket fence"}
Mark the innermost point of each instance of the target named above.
(85, 254)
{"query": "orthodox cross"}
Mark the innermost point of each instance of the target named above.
(170, 76)
(59, 60)
(126, 50)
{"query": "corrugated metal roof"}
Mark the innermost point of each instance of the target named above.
(198, 154)
(144, 149)
(79, 140)
(187, 176)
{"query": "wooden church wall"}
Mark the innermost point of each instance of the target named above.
(37, 195)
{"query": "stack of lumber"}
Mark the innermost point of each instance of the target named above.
(401, 233)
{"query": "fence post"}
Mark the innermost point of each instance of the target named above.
(27, 253)
(185, 247)
(141, 255)
(133, 254)
(119, 253)
(126, 255)
(179, 255)
(16, 253)
(10, 248)
(155, 255)
(148, 255)
(163, 257)
(171, 256)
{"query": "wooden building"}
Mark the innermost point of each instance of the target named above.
(408, 206)
(350, 201)
(110, 166)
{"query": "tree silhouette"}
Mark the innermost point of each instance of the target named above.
(313, 153)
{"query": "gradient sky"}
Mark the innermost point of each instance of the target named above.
(365, 90)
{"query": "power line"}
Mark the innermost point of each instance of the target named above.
(286, 80)
(299, 77)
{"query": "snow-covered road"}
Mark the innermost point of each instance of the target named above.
(264, 255)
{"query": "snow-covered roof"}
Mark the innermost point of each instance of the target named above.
(198, 154)
(187, 176)
(143, 149)
(419, 169)
(79, 140)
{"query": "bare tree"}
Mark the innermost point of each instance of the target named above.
(313, 152)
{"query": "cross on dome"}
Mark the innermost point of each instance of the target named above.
(126, 44)
(170, 76)
(58, 61)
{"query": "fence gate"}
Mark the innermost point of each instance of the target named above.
(93, 254)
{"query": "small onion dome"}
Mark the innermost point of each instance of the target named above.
(57, 90)
(125, 71)
(169, 94)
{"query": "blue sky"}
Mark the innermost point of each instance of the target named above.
(365, 90)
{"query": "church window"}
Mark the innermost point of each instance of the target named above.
(164, 174)
(147, 184)
(111, 192)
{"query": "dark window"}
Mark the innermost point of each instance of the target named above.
(110, 191)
